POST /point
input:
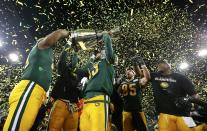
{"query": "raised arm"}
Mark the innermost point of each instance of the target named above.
(62, 64)
(108, 48)
(74, 61)
(197, 100)
(52, 38)
(138, 71)
(145, 75)
(62, 61)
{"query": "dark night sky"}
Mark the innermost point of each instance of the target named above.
(23, 21)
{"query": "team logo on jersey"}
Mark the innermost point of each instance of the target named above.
(97, 104)
(40, 68)
(164, 85)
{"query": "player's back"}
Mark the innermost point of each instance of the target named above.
(38, 66)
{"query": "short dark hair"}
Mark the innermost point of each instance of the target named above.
(162, 61)
(95, 52)
(131, 69)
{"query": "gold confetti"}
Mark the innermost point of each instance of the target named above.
(81, 3)
(20, 3)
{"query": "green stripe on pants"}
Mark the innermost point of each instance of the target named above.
(16, 119)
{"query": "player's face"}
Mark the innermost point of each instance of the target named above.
(129, 74)
(163, 67)
(98, 56)
(77, 47)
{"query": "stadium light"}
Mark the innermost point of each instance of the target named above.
(202, 52)
(1, 44)
(184, 66)
(13, 57)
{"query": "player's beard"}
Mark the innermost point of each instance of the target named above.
(97, 58)
(160, 71)
(130, 78)
(164, 71)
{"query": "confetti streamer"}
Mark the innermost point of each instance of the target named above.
(152, 29)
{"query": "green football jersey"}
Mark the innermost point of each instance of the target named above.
(39, 66)
(101, 73)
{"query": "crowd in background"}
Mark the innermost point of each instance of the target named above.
(11, 74)
(149, 29)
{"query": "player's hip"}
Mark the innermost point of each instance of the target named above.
(89, 94)
(27, 89)
(131, 114)
(103, 98)
(65, 105)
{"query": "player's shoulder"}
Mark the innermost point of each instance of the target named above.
(123, 82)
(179, 75)
(154, 73)
(135, 80)
(33, 51)
(36, 48)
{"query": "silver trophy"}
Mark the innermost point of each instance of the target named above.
(87, 39)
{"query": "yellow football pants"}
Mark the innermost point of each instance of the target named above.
(95, 114)
(61, 119)
(172, 123)
(127, 121)
(24, 103)
(201, 127)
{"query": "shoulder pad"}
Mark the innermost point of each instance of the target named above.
(123, 82)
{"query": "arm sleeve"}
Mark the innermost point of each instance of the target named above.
(188, 86)
(62, 62)
(74, 61)
(108, 48)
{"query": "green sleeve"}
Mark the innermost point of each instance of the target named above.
(85, 69)
(108, 48)
(74, 61)
(62, 62)
(63, 56)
